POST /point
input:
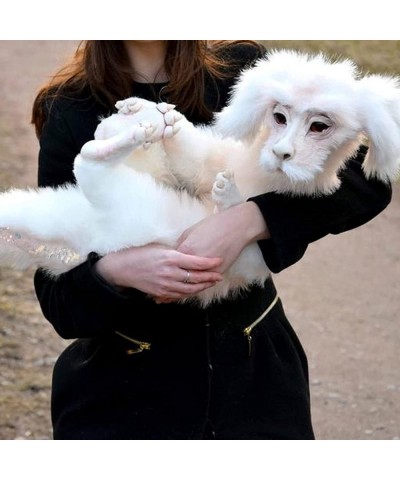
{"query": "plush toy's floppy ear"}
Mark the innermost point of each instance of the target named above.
(250, 98)
(380, 106)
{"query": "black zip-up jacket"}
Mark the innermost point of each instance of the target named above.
(99, 392)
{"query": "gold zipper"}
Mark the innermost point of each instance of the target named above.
(141, 346)
(247, 330)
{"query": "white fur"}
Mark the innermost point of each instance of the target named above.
(141, 180)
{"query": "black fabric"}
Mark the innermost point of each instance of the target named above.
(197, 373)
(197, 380)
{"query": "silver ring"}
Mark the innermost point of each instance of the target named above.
(187, 277)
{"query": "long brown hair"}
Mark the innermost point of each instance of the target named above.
(103, 67)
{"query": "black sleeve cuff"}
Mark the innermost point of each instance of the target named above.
(87, 279)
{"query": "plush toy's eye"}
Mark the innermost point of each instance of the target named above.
(318, 127)
(280, 119)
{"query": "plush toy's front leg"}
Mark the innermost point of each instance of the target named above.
(188, 148)
(119, 146)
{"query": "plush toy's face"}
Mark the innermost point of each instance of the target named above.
(301, 140)
(315, 110)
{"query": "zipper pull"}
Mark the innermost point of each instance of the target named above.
(142, 346)
(247, 332)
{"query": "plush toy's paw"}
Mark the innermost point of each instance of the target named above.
(162, 115)
(130, 105)
(225, 193)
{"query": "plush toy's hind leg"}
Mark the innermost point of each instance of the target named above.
(225, 193)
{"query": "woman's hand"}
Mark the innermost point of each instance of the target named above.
(159, 271)
(225, 234)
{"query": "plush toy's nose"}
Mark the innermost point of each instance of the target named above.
(283, 151)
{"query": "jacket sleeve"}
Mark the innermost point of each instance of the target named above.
(77, 303)
(294, 222)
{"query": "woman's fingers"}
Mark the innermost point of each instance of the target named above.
(179, 292)
(198, 276)
(159, 271)
(193, 262)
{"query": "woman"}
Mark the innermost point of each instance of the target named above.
(155, 369)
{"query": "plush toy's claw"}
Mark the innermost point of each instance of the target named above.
(164, 107)
(168, 132)
(172, 117)
(176, 128)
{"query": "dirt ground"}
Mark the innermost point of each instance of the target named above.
(342, 298)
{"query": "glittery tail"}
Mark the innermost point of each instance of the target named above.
(21, 251)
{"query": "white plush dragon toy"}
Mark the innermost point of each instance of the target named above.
(290, 125)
